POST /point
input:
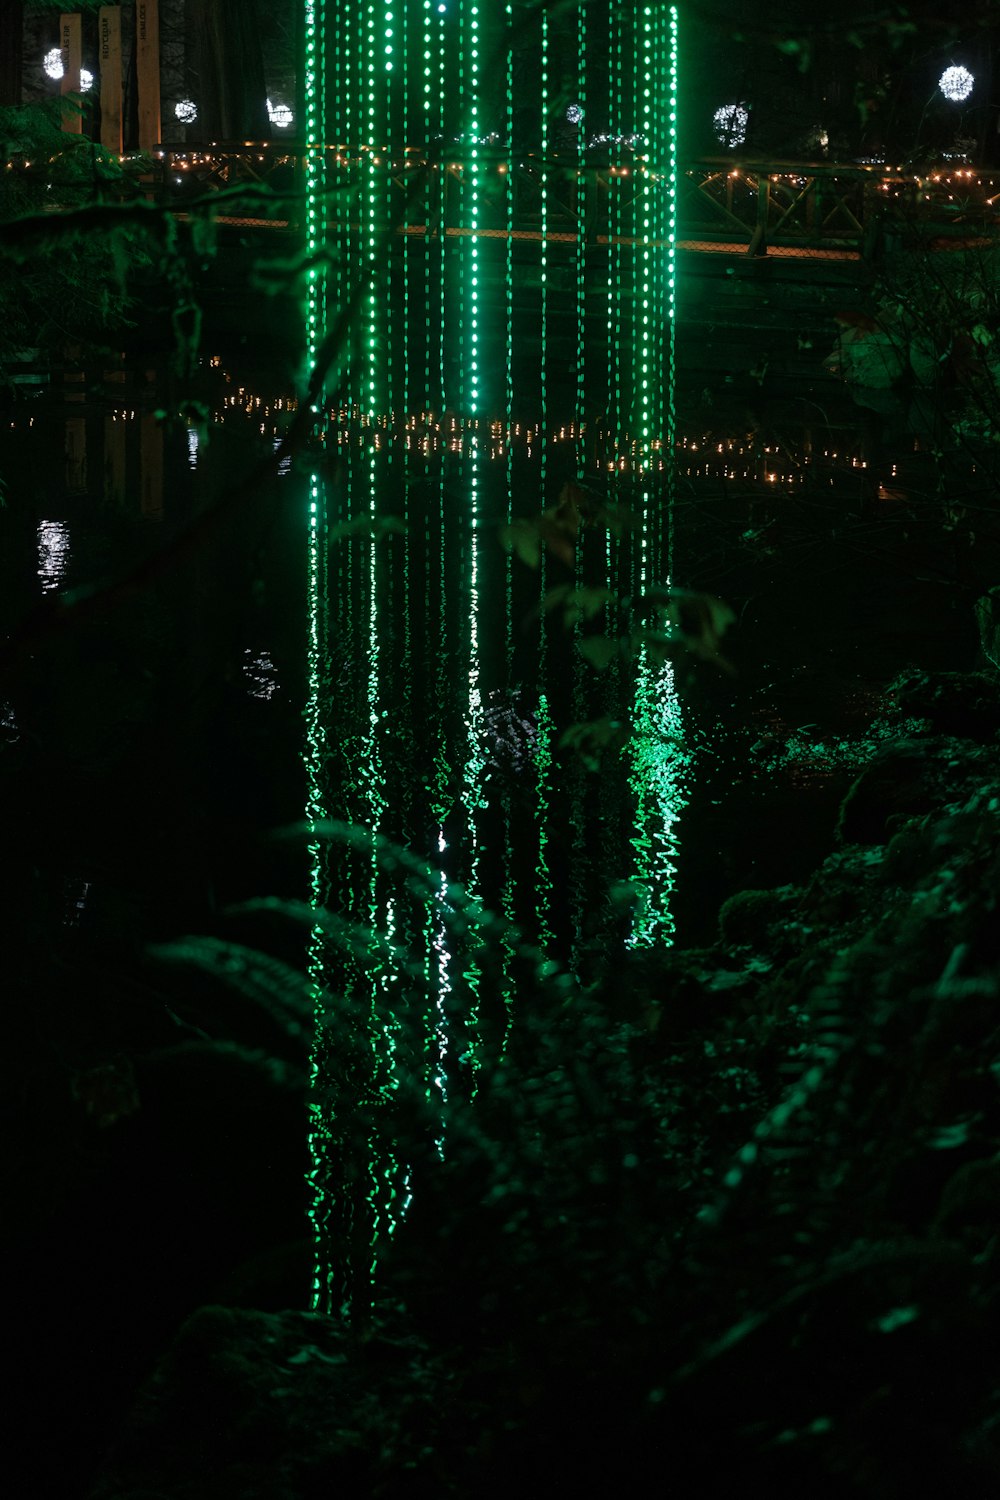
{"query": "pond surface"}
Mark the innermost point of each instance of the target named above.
(411, 691)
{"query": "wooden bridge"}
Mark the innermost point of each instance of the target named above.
(724, 204)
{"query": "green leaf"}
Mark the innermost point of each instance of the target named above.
(600, 651)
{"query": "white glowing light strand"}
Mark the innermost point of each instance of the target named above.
(956, 84)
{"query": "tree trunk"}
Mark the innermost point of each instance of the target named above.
(227, 70)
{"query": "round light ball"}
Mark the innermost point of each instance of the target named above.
(956, 84)
(730, 122)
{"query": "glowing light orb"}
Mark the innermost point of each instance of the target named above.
(956, 84)
(53, 65)
(280, 115)
(574, 114)
(186, 111)
(730, 122)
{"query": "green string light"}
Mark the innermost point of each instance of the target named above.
(388, 84)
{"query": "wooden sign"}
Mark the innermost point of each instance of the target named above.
(147, 43)
(71, 45)
(110, 34)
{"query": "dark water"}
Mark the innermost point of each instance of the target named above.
(167, 732)
(413, 686)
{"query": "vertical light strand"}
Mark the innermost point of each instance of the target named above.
(475, 758)
(543, 400)
(615, 417)
(540, 422)
(576, 783)
(432, 181)
(509, 195)
(660, 764)
(444, 174)
(670, 425)
(643, 301)
(507, 898)
(582, 227)
(314, 750)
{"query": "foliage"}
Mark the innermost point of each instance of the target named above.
(934, 326)
(663, 624)
(62, 290)
(736, 1220)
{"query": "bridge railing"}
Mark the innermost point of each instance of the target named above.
(755, 204)
(808, 205)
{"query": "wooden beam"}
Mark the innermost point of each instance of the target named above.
(147, 41)
(110, 31)
(71, 44)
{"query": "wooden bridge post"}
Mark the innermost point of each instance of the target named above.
(758, 240)
(71, 45)
(110, 23)
(147, 42)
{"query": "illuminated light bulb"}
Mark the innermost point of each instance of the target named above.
(53, 63)
(956, 84)
(186, 111)
(731, 122)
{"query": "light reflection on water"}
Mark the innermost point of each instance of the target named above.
(437, 721)
(8, 722)
(261, 674)
(438, 716)
(53, 554)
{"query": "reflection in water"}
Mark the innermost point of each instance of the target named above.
(261, 674)
(8, 723)
(658, 775)
(53, 554)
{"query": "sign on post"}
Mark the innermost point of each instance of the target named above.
(71, 45)
(147, 31)
(110, 31)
